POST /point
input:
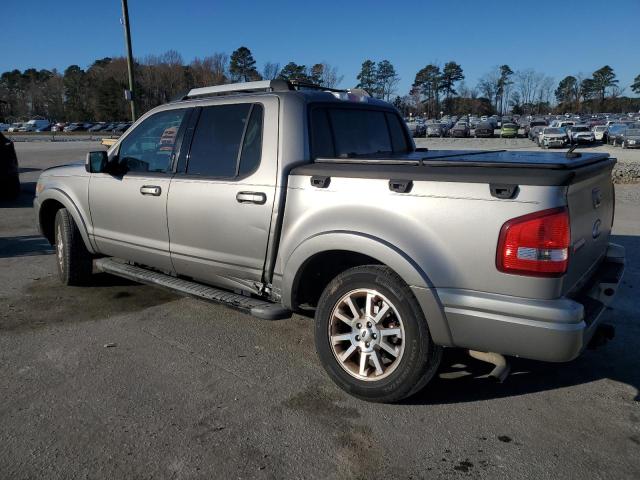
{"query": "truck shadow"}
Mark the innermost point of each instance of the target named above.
(24, 246)
(463, 379)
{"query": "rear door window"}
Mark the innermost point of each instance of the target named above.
(216, 140)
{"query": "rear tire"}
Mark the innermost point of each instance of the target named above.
(75, 264)
(404, 361)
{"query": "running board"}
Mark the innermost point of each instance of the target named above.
(253, 306)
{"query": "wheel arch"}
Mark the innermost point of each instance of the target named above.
(50, 203)
(351, 249)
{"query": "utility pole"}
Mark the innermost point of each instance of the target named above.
(129, 95)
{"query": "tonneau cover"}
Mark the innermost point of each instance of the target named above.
(481, 158)
(518, 168)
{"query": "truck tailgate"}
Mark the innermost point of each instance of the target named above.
(591, 208)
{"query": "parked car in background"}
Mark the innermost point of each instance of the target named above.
(122, 127)
(460, 130)
(9, 174)
(599, 132)
(534, 123)
(58, 127)
(4, 127)
(419, 130)
(630, 138)
(97, 127)
(613, 131)
(508, 130)
(580, 134)
(435, 130)
(74, 127)
(38, 125)
(553, 137)
(484, 130)
(15, 127)
(534, 132)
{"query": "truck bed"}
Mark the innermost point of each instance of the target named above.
(443, 197)
(522, 168)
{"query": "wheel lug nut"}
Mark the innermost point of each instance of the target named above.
(357, 338)
(374, 336)
(359, 325)
(369, 324)
(366, 344)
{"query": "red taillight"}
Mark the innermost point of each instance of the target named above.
(535, 244)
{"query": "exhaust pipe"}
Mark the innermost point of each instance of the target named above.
(502, 368)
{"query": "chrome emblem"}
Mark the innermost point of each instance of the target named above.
(595, 231)
(596, 197)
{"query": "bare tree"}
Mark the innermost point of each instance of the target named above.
(330, 77)
(211, 70)
(270, 71)
(528, 84)
(488, 85)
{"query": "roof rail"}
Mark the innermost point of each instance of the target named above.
(259, 86)
(277, 85)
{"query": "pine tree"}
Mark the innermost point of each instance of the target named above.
(242, 66)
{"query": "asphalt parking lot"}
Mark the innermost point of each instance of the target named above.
(120, 380)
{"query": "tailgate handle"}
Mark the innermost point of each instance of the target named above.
(400, 186)
(320, 181)
(503, 191)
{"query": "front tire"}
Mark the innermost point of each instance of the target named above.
(74, 261)
(372, 337)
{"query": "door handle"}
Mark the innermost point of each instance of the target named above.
(251, 197)
(150, 190)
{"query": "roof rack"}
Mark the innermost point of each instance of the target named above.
(277, 85)
(259, 86)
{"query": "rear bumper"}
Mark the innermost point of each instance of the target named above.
(555, 330)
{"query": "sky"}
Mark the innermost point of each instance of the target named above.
(557, 38)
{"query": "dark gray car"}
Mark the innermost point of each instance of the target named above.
(630, 138)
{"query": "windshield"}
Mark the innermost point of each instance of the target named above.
(344, 132)
(509, 125)
(553, 131)
(580, 129)
(633, 132)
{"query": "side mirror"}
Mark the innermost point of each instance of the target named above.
(96, 162)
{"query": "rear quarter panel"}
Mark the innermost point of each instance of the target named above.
(449, 230)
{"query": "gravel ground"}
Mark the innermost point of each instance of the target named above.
(120, 380)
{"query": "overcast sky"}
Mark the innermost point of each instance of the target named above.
(553, 37)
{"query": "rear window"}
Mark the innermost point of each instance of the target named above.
(347, 132)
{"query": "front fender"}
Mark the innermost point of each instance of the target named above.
(80, 216)
(385, 253)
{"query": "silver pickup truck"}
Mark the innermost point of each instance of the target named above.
(273, 197)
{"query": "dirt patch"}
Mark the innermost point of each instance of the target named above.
(46, 302)
(323, 404)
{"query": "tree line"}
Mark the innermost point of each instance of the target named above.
(97, 93)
